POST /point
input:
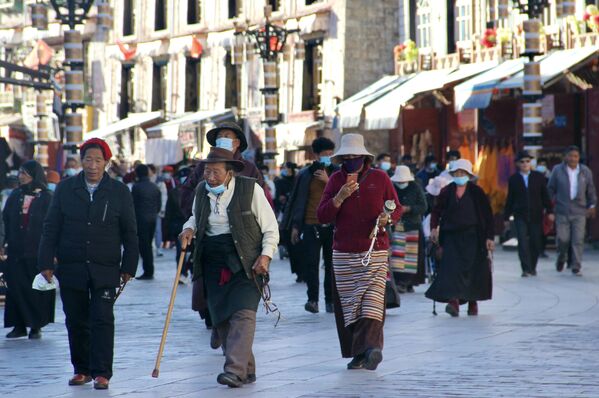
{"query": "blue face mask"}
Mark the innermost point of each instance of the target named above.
(70, 172)
(461, 180)
(51, 186)
(225, 143)
(182, 180)
(326, 160)
(284, 173)
(385, 166)
(216, 190)
(541, 169)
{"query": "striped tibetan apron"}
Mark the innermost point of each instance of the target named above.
(361, 289)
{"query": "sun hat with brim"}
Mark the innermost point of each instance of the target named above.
(523, 155)
(221, 155)
(435, 185)
(462, 164)
(234, 127)
(352, 144)
(402, 174)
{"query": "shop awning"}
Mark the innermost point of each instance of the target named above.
(133, 120)
(170, 129)
(383, 112)
(291, 136)
(467, 71)
(555, 66)
(477, 92)
(350, 110)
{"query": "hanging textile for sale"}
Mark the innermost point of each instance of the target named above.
(466, 151)
(404, 251)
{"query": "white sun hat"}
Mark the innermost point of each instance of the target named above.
(402, 174)
(462, 164)
(352, 144)
(435, 185)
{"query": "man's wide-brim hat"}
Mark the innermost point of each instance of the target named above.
(234, 127)
(352, 144)
(462, 164)
(523, 155)
(221, 155)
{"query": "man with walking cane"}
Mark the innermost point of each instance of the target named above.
(236, 234)
(91, 217)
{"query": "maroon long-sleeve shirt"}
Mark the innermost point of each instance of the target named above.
(355, 219)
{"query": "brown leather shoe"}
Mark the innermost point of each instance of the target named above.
(453, 308)
(101, 383)
(472, 308)
(79, 380)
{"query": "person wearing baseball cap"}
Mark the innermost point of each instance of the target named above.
(91, 230)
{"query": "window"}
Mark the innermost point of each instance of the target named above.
(230, 82)
(193, 11)
(128, 18)
(158, 85)
(126, 100)
(160, 15)
(311, 75)
(463, 20)
(274, 4)
(193, 69)
(423, 24)
(233, 8)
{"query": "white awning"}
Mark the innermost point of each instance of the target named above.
(384, 111)
(161, 152)
(477, 92)
(350, 110)
(133, 120)
(291, 136)
(554, 66)
(170, 129)
(467, 71)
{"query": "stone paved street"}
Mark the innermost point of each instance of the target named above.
(536, 338)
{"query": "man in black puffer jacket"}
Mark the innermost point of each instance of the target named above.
(91, 217)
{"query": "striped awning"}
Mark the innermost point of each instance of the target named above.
(478, 91)
(555, 66)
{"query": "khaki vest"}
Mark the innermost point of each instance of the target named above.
(245, 230)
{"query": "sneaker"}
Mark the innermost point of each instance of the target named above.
(311, 306)
(182, 280)
(329, 308)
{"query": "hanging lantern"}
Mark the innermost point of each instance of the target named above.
(532, 36)
(39, 16)
(104, 15)
(503, 9)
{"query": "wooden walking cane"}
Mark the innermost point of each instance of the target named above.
(156, 370)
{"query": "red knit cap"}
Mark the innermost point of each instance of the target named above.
(101, 143)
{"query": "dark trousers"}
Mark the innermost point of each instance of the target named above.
(237, 335)
(315, 238)
(530, 243)
(90, 325)
(145, 233)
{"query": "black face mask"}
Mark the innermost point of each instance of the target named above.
(353, 165)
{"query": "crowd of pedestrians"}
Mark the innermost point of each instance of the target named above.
(374, 225)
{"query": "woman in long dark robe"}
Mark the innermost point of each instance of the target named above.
(462, 222)
(414, 206)
(24, 215)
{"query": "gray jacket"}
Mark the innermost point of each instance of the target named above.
(559, 189)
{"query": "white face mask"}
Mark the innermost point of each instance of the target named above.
(403, 185)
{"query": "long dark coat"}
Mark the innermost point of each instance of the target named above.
(465, 270)
(87, 236)
(24, 305)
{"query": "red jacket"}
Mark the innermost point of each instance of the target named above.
(355, 219)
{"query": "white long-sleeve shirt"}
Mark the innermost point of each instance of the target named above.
(218, 220)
